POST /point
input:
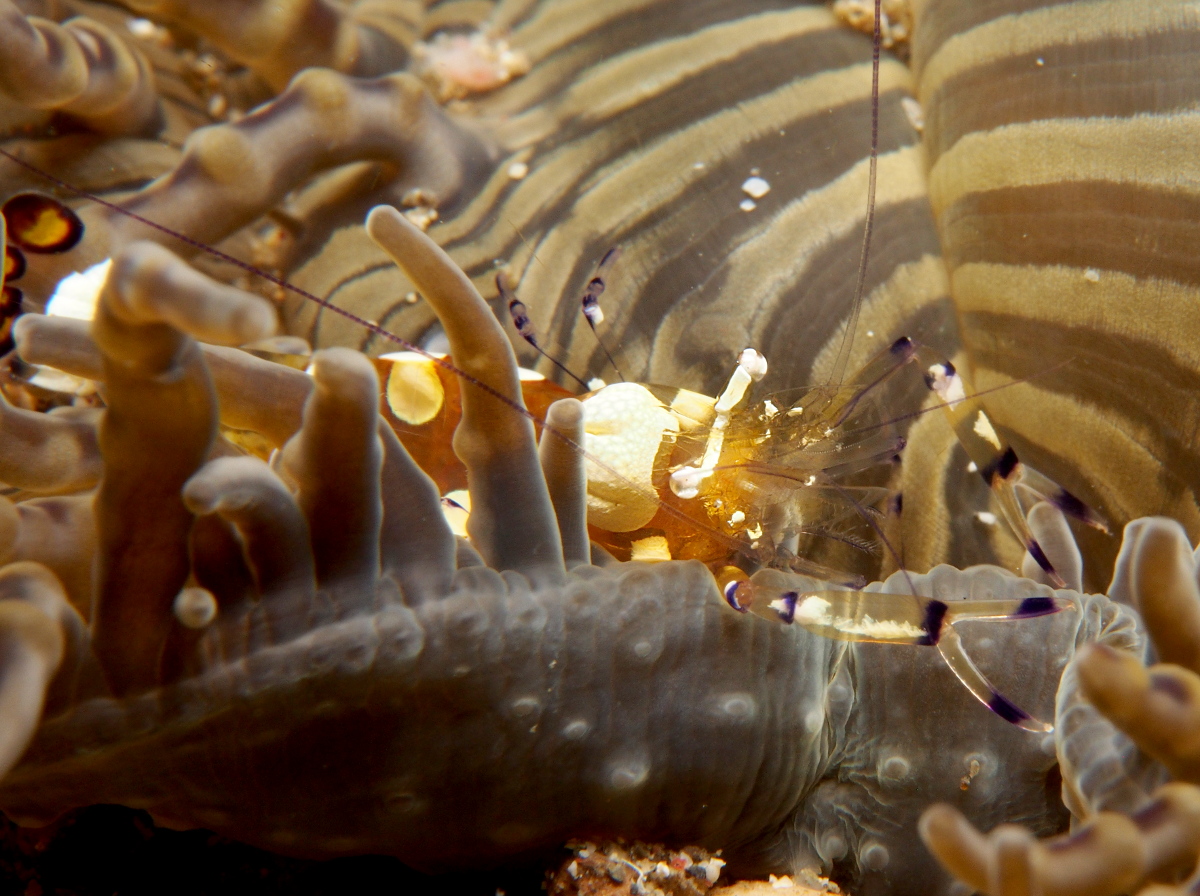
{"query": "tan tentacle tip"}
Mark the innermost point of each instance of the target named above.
(1105, 858)
(1159, 708)
(149, 284)
(32, 646)
(343, 370)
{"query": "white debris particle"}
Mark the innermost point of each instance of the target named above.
(1091, 275)
(195, 608)
(972, 467)
(142, 28)
(747, 205)
(781, 883)
(770, 408)
(712, 869)
(78, 294)
(698, 166)
(914, 113)
(986, 517)
(736, 518)
(870, 332)
(518, 170)
(756, 187)
(573, 870)
(595, 383)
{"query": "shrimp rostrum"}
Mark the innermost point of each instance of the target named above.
(301, 655)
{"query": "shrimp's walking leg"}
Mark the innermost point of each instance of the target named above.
(996, 460)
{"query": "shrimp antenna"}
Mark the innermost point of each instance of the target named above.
(843, 355)
(524, 326)
(591, 302)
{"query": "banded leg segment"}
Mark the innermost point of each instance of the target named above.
(995, 459)
(884, 618)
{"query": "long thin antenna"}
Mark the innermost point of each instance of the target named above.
(843, 356)
(520, 319)
(590, 303)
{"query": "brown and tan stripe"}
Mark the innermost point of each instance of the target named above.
(1066, 185)
(639, 123)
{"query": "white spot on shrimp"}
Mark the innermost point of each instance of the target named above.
(874, 856)
(576, 729)
(756, 187)
(1091, 275)
(747, 205)
(643, 649)
(814, 719)
(518, 170)
(986, 517)
(983, 429)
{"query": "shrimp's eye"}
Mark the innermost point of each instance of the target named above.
(40, 223)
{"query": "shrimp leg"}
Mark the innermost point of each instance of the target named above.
(883, 618)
